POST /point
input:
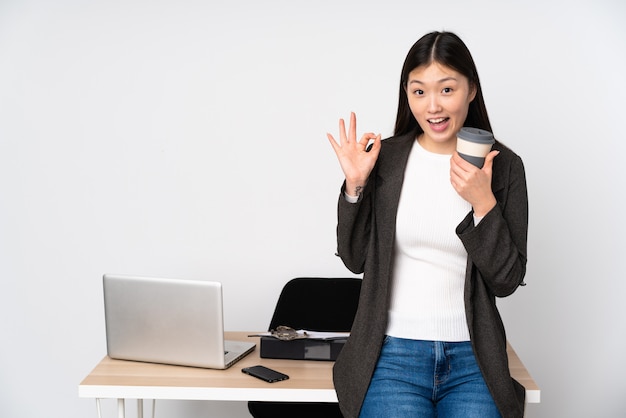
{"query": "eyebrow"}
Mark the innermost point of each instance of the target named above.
(443, 80)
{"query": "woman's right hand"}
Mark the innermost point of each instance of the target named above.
(355, 160)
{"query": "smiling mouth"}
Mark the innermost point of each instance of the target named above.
(437, 121)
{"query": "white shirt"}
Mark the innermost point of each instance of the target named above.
(429, 258)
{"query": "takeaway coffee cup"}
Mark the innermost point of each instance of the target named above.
(474, 144)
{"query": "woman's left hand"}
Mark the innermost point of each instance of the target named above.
(472, 183)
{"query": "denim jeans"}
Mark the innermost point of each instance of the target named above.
(427, 379)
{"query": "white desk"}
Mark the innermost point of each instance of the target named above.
(309, 381)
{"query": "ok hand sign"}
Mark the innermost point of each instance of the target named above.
(356, 158)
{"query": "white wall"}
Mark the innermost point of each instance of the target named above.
(187, 139)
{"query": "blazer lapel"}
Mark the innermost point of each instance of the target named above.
(390, 176)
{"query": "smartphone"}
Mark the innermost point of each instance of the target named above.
(265, 373)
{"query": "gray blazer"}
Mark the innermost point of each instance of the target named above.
(495, 268)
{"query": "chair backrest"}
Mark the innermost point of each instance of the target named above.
(318, 304)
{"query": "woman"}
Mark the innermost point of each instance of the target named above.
(437, 239)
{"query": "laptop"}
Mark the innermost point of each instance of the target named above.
(169, 321)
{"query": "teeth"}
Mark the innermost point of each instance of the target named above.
(439, 120)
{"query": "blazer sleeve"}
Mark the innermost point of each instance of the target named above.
(497, 245)
(353, 229)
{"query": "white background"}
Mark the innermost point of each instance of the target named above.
(187, 139)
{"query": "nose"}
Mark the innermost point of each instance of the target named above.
(433, 104)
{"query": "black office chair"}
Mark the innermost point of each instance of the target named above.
(317, 304)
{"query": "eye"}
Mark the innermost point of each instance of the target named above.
(447, 90)
(418, 92)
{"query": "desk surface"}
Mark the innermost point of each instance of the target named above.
(309, 381)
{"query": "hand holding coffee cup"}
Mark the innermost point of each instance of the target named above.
(474, 144)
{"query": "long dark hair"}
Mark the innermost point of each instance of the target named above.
(447, 49)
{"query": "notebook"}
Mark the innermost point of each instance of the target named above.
(170, 321)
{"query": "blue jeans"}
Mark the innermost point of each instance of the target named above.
(427, 379)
